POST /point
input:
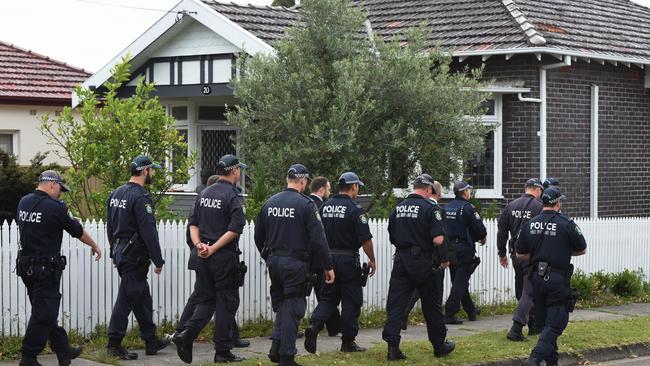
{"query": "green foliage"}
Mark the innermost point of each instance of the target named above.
(285, 3)
(584, 284)
(600, 285)
(336, 101)
(110, 132)
(382, 206)
(627, 283)
(259, 191)
(17, 181)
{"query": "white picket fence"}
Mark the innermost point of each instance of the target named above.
(89, 288)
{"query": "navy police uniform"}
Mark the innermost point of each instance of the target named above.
(412, 227)
(289, 233)
(41, 222)
(464, 228)
(133, 236)
(346, 228)
(550, 239)
(217, 210)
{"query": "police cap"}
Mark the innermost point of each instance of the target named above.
(143, 162)
(350, 178)
(298, 171)
(534, 182)
(550, 182)
(461, 186)
(54, 176)
(552, 195)
(423, 179)
(227, 163)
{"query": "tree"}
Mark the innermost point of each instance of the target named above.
(111, 132)
(335, 100)
(17, 181)
(285, 3)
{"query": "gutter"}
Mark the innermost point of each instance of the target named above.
(542, 111)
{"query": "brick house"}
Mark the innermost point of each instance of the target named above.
(30, 86)
(569, 82)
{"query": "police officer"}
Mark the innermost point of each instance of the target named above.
(320, 189)
(193, 265)
(441, 254)
(464, 228)
(511, 221)
(347, 230)
(215, 225)
(289, 233)
(415, 228)
(41, 218)
(132, 234)
(548, 241)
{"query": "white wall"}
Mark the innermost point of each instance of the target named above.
(29, 140)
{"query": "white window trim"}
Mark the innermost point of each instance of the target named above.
(14, 141)
(191, 145)
(496, 119)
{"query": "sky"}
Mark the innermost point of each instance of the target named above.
(86, 33)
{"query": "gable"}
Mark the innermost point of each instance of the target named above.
(194, 39)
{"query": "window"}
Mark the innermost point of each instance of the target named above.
(179, 113)
(177, 153)
(7, 142)
(212, 113)
(483, 172)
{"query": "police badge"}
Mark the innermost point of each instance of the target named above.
(148, 208)
(438, 216)
(478, 217)
(363, 219)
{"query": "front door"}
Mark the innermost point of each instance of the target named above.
(215, 141)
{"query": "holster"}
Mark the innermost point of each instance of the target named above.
(241, 273)
(474, 264)
(23, 262)
(573, 299)
(265, 253)
(308, 285)
(365, 272)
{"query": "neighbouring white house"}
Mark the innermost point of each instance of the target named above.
(32, 85)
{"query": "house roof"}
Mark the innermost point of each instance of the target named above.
(617, 29)
(268, 23)
(26, 76)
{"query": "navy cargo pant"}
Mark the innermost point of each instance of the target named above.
(409, 273)
(288, 277)
(459, 294)
(416, 295)
(217, 294)
(45, 299)
(347, 291)
(133, 296)
(550, 296)
(333, 324)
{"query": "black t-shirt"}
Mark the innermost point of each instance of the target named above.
(41, 221)
(415, 222)
(561, 237)
(345, 223)
(130, 210)
(513, 217)
(217, 210)
(290, 221)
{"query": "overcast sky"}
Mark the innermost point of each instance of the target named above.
(86, 33)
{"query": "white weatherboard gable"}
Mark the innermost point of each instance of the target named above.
(195, 39)
(146, 44)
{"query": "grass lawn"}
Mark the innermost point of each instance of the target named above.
(492, 346)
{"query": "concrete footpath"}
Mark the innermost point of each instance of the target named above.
(204, 353)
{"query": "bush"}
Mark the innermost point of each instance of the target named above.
(584, 284)
(627, 283)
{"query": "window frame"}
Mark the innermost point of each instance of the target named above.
(14, 141)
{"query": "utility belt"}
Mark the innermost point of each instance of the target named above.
(415, 251)
(544, 270)
(240, 273)
(40, 268)
(346, 252)
(299, 255)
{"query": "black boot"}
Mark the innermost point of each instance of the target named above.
(531, 362)
(183, 342)
(334, 324)
(65, 358)
(451, 319)
(28, 361)
(274, 352)
(241, 343)
(446, 348)
(288, 361)
(311, 338)
(533, 330)
(153, 346)
(472, 315)
(516, 333)
(226, 357)
(395, 354)
(115, 349)
(349, 345)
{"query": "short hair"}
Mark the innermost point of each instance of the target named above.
(344, 187)
(437, 187)
(294, 180)
(317, 183)
(212, 180)
(421, 186)
(135, 172)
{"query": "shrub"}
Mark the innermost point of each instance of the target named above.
(627, 283)
(584, 284)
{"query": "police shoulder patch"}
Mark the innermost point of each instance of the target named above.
(318, 216)
(438, 216)
(478, 217)
(71, 215)
(578, 230)
(148, 208)
(363, 219)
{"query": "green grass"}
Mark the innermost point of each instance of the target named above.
(492, 346)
